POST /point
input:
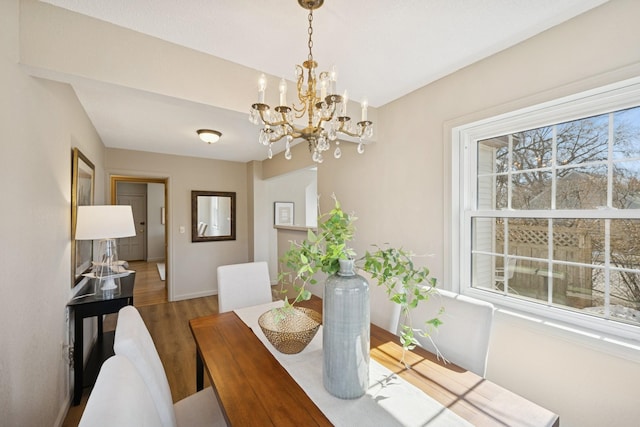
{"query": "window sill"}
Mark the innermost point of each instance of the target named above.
(592, 339)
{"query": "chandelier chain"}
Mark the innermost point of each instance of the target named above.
(310, 31)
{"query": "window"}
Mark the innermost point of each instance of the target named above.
(549, 209)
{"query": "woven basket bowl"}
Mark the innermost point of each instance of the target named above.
(290, 330)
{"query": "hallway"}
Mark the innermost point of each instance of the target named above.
(149, 288)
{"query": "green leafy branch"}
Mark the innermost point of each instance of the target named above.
(320, 251)
(393, 268)
(405, 284)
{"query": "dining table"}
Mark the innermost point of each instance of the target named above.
(253, 388)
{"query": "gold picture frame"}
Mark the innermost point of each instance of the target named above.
(82, 194)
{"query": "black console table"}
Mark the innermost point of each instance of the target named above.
(89, 306)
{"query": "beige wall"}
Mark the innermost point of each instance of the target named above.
(400, 191)
(191, 267)
(40, 123)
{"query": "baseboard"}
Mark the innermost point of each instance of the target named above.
(161, 259)
(64, 409)
(195, 295)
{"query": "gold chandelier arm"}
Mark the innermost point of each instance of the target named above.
(270, 123)
(272, 140)
(294, 133)
(361, 127)
(322, 119)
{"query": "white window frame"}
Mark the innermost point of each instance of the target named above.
(612, 97)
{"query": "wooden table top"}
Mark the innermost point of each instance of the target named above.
(253, 389)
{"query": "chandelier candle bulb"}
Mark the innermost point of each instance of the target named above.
(334, 80)
(345, 100)
(364, 109)
(283, 92)
(323, 89)
(262, 87)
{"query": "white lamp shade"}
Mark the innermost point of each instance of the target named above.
(104, 222)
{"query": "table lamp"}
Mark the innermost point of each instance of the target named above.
(105, 224)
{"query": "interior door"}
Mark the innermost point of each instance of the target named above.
(133, 248)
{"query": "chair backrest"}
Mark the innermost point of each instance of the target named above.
(243, 285)
(463, 337)
(511, 269)
(119, 397)
(133, 341)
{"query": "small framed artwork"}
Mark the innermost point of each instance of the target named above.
(283, 213)
(82, 185)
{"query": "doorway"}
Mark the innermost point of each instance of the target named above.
(148, 250)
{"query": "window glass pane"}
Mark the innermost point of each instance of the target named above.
(486, 166)
(582, 188)
(577, 240)
(580, 287)
(502, 192)
(483, 271)
(624, 296)
(532, 148)
(530, 280)
(582, 141)
(531, 190)
(622, 306)
(485, 192)
(626, 124)
(625, 242)
(502, 159)
(498, 149)
(528, 237)
(625, 255)
(574, 241)
(626, 185)
(483, 232)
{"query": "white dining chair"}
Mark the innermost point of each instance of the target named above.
(243, 285)
(463, 337)
(119, 397)
(133, 341)
(384, 312)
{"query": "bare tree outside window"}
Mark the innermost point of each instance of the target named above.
(589, 164)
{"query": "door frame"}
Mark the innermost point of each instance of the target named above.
(115, 179)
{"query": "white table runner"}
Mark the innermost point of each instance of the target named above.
(389, 401)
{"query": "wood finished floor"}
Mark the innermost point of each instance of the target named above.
(168, 323)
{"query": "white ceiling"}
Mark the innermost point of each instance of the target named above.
(383, 49)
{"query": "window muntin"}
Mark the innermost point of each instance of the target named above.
(559, 185)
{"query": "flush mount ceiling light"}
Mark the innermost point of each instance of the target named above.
(326, 111)
(208, 135)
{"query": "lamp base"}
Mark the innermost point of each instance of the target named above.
(107, 288)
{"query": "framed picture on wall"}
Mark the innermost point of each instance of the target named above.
(283, 213)
(82, 188)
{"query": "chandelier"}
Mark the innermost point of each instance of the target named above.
(325, 110)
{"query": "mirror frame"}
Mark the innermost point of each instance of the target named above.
(194, 216)
(82, 170)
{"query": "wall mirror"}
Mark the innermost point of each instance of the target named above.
(213, 216)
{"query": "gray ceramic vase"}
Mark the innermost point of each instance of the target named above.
(346, 333)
